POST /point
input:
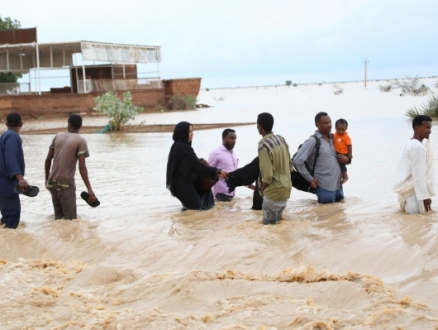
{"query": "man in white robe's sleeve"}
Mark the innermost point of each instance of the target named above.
(414, 178)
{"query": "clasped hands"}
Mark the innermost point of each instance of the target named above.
(223, 175)
(314, 183)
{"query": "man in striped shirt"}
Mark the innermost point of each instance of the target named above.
(275, 167)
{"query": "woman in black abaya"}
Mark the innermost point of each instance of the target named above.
(184, 169)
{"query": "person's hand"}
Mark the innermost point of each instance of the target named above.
(92, 197)
(203, 161)
(427, 204)
(343, 159)
(314, 183)
(223, 175)
(251, 186)
(350, 156)
(22, 183)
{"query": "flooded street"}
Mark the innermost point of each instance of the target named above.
(138, 262)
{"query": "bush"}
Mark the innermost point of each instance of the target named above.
(119, 112)
(436, 85)
(412, 86)
(182, 102)
(295, 85)
(430, 108)
(386, 88)
(288, 83)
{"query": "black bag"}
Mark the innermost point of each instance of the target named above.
(298, 181)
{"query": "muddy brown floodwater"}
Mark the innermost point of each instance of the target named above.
(137, 262)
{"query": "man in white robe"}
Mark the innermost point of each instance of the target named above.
(414, 182)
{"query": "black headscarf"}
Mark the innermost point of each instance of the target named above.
(181, 155)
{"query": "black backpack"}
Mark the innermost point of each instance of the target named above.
(298, 181)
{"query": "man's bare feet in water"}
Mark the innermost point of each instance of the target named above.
(344, 177)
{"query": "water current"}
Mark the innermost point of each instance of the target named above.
(137, 262)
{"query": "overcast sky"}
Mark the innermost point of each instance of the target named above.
(253, 42)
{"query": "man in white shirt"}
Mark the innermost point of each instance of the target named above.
(414, 181)
(225, 159)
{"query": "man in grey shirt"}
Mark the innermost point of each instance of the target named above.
(327, 173)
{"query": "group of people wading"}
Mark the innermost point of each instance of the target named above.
(65, 151)
(197, 183)
(320, 161)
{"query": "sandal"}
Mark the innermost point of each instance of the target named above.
(32, 191)
(85, 197)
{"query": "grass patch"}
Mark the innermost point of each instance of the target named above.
(182, 102)
(430, 108)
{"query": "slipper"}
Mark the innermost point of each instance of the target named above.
(32, 191)
(85, 197)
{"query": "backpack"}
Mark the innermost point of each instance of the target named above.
(298, 181)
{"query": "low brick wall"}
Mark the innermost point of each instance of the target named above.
(5, 106)
(64, 104)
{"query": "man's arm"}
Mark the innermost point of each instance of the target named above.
(84, 175)
(48, 164)
(302, 155)
(291, 166)
(266, 170)
(343, 159)
(22, 183)
(350, 152)
(12, 155)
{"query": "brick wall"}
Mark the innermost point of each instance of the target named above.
(63, 104)
(5, 106)
(182, 86)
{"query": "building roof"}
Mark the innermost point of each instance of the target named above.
(20, 58)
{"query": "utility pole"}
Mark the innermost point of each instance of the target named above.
(365, 62)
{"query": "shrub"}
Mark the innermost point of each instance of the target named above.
(182, 102)
(412, 86)
(430, 108)
(119, 112)
(295, 85)
(288, 83)
(436, 85)
(386, 88)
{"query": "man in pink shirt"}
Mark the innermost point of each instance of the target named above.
(225, 159)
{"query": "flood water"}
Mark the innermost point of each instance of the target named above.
(137, 262)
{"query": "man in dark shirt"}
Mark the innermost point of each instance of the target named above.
(11, 171)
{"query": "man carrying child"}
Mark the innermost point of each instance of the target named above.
(327, 178)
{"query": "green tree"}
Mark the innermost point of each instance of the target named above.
(8, 24)
(119, 112)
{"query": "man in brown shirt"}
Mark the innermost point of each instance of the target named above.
(65, 151)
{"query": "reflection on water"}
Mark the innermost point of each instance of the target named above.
(137, 261)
